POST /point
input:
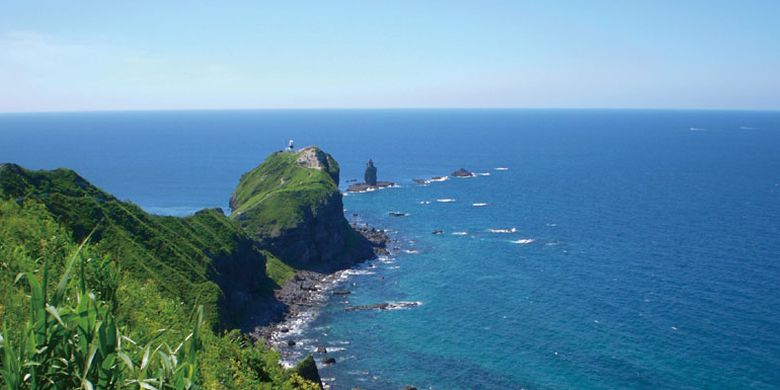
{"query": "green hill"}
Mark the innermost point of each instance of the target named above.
(291, 204)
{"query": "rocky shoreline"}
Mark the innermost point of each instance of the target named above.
(308, 291)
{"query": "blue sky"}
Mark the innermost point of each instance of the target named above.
(106, 55)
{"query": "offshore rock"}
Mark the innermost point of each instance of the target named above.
(370, 183)
(370, 175)
(462, 173)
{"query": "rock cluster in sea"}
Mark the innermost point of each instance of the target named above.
(371, 183)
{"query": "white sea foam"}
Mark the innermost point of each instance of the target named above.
(512, 230)
(460, 233)
(523, 241)
(482, 173)
(400, 305)
(411, 251)
(354, 272)
(438, 179)
(697, 129)
(445, 200)
(479, 204)
(425, 202)
(501, 169)
(747, 128)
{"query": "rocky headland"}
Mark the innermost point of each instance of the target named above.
(292, 206)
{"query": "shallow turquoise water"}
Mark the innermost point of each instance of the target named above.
(656, 235)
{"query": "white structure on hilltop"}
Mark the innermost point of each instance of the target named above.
(290, 146)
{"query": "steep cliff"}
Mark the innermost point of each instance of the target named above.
(292, 205)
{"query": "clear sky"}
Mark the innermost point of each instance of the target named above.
(106, 55)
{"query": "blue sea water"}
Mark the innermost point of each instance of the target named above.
(645, 252)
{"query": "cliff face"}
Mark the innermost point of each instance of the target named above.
(292, 205)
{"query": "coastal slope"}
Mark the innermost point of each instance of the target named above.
(152, 271)
(202, 258)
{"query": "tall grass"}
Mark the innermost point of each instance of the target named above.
(73, 341)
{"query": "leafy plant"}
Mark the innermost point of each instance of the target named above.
(74, 342)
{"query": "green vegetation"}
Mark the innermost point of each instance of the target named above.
(75, 342)
(282, 192)
(138, 275)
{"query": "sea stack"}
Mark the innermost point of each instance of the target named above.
(370, 180)
(370, 175)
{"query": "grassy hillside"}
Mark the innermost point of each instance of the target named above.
(282, 191)
(151, 272)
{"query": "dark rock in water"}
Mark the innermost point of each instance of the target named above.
(284, 330)
(438, 231)
(397, 214)
(342, 292)
(329, 360)
(420, 181)
(383, 306)
(370, 175)
(307, 369)
(290, 343)
(371, 182)
(409, 387)
(321, 349)
(462, 173)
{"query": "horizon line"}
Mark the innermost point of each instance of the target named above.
(131, 110)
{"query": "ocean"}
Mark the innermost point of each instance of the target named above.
(618, 249)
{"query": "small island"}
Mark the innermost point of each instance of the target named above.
(462, 173)
(370, 183)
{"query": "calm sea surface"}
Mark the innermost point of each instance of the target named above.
(645, 250)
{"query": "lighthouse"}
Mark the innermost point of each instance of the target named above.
(290, 146)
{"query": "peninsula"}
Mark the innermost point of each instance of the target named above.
(245, 271)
